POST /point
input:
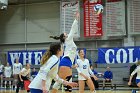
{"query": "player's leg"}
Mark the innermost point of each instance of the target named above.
(81, 86)
(1, 79)
(5, 82)
(15, 81)
(57, 85)
(65, 72)
(91, 85)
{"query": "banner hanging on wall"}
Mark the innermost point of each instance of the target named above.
(118, 55)
(33, 57)
(68, 11)
(92, 20)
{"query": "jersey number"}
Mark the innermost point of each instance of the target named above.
(84, 66)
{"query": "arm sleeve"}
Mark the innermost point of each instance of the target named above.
(73, 30)
(23, 70)
(78, 68)
(89, 70)
(43, 72)
(58, 79)
(4, 71)
(134, 72)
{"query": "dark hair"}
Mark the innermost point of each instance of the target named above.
(61, 37)
(54, 47)
(80, 50)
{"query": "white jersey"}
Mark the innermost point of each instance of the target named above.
(137, 70)
(70, 46)
(25, 72)
(17, 68)
(83, 67)
(7, 71)
(1, 68)
(47, 72)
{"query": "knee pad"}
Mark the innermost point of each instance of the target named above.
(68, 88)
(56, 85)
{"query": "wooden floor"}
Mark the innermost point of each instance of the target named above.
(99, 91)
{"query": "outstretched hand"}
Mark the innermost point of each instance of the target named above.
(94, 77)
(44, 90)
(77, 15)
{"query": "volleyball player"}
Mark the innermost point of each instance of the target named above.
(16, 70)
(137, 70)
(1, 74)
(65, 65)
(84, 73)
(7, 73)
(23, 75)
(48, 71)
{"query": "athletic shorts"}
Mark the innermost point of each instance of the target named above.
(36, 90)
(65, 62)
(137, 81)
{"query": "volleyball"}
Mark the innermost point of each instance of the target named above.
(93, 1)
(98, 8)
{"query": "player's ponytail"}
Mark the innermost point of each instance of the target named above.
(45, 57)
(55, 37)
(61, 37)
(54, 48)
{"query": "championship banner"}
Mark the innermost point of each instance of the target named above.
(33, 57)
(92, 20)
(118, 55)
(68, 11)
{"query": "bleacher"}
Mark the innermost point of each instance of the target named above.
(120, 72)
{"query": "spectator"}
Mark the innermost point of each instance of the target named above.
(94, 71)
(108, 76)
(1, 73)
(16, 70)
(95, 82)
(84, 73)
(34, 73)
(7, 74)
(23, 76)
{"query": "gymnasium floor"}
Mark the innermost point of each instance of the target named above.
(99, 91)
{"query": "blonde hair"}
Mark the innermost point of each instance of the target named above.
(45, 57)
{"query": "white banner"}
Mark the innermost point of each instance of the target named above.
(68, 10)
(115, 18)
